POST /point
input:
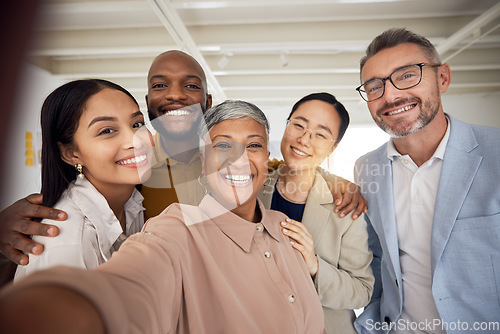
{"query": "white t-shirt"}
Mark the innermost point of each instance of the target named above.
(89, 235)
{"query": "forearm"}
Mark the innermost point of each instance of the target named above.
(47, 309)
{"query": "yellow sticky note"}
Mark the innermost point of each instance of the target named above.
(29, 135)
(29, 162)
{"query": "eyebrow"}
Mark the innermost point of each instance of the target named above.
(324, 127)
(229, 137)
(111, 119)
(189, 76)
(137, 113)
(102, 119)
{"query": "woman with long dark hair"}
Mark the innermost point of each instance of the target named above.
(94, 152)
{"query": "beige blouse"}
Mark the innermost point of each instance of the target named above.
(201, 270)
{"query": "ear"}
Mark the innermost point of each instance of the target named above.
(69, 154)
(209, 101)
(444, 77)
(146, 98)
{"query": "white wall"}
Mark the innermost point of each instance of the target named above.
(359, 138)
(22, 180)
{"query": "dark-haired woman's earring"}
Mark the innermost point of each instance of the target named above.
(267, 184)
(79, 169)
(204, 185)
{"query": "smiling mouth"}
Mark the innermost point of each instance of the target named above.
(138, 160)
(303, 154)
(238, 180)
(400, 110)
(178, 112)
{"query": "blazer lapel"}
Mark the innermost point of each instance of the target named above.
(384, 198)
(315, 215)
(458, 171)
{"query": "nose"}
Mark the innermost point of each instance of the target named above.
(306, 137)
(175, 93)
(134, 139)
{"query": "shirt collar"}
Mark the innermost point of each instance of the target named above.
(392, 152)
(96, 209)
(239, 230)
(162, 157)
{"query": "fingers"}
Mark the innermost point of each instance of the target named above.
(35, 199)
(16, 226)
(15, 256)
(303, 242)
(362, 208)
(345, 201)
(352, 201)
(298, 232)
(16, 245)
(31, 210)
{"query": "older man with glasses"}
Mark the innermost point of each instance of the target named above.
(433, 217)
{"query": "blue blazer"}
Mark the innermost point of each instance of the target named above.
(465, 241)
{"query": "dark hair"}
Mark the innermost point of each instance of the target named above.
(330, 99)
(396, 36)
(61, 112)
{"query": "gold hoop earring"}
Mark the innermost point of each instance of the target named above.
(79, 169)
(267, 184)
(204, 185)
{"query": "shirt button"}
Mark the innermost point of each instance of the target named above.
(291, 298)
(267, 254)
(258, 227)
(406, 162)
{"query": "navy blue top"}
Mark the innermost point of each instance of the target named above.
(292, 210)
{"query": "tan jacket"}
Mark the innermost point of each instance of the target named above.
(344, 280)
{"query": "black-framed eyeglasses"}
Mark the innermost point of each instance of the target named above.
(403, 78)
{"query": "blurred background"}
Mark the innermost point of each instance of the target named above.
(270, 53)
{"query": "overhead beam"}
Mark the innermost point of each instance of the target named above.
(469, 29)
(177, 29)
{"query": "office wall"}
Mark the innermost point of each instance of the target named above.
(20, 179)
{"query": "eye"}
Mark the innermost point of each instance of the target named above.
(298, 126)
(407, 76)
(255, 146)
(222, 146)
(321, 136)
(372, 87)
(106, 131)
(158, 85)
(138, 124)
(193, 86)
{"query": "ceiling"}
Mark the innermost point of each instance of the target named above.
(269, 52)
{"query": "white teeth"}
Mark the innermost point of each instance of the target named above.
(299, 152)
(238, 178)
(178, 112)
(395, 112)
(134, 160)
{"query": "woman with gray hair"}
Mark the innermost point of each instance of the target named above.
(221, 267)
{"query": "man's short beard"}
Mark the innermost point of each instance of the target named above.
(422, 120)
